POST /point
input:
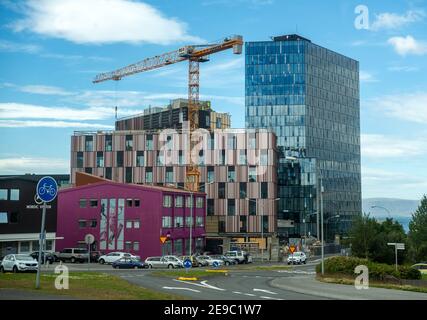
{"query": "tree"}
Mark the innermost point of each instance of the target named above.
(361, 235)
(418, 232)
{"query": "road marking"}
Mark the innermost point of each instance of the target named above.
(265, 291)
(245, 294)
(178, 288)
(296, 272)
(202, 284)
(270, 298)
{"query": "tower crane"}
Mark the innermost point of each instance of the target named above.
(195, 54)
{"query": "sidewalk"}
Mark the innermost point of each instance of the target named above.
(310, 286)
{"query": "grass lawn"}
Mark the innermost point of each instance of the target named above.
(424, 276)
(84, 285)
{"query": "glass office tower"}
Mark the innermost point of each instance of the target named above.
(309, 96)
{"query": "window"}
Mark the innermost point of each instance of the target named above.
(140, 158)
(199, 222)
(264, 190)
(221, 226)
(149, 142)
(128, 202)
(252, 207)
(179, 201)
(88, 170)
(189, 202)
(14, 194)
(88, 143)
(189, 221)
(136, 246)
(129, 143)
(169, 175)
(167, 201)
(79, 159)
(108, 173)
(14, 217)
(82, 203)
(231, 207)
(232, 142)
(108, 143)
(199, 202)
(252, 174)
(160, 158)
(201, 158)
(149, 175)
(251, 142)
(177, 247)
(93, 223)
(231, 174)
(242, 157)
(137, 203)
(264, 158)
(3, 194)
(129, 224)
(136, 224)
(24, 246)
(167, 222)
(222, 158)
(129, 175)
(119, 159)
(218, 123)
(3, 217)
(100, 159)
(128, 245)
(221, 190)
(211, 174)
(211, 207)
(179, 222)
(180, 158)
(82, 224)
(265, 223)
(93, 203)
(243, 225)
(243, 190)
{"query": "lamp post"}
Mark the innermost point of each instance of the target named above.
(262, 226)
(384, 208)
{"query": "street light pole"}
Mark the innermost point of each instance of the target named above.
(384, 208)
(321, 218)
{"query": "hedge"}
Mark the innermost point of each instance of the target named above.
(377, 271)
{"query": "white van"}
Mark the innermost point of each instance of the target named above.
(239, 256)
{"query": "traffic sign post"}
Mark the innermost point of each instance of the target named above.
(89, 239)
(397, 246)
(187, 264)
(46, 191)
(215, 264)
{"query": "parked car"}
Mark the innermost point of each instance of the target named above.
(297, 258)
(46, 256)
(211, 260)
(227, 261)
(201, 262)
(128, 263)
(239, 256)
(18, 263)
(73, 255)
(193, 260)
(169, 262)
(94, 256)
(114, 256)
(421, 267)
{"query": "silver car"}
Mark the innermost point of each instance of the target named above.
(169, 262)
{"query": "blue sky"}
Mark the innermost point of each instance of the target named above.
(51, 50)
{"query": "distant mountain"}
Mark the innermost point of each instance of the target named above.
(400, 209)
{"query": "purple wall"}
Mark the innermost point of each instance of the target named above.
(149, 214)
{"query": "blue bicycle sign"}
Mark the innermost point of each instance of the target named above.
(47, 189)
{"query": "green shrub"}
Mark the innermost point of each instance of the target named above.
(377, 271)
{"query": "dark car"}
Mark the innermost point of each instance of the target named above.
(46, 256)
(126, 263)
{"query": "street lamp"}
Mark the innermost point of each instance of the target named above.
(384, 208)
(262, 226)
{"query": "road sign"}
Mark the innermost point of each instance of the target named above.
(89, 239)
(163, 239)
(187, 264)
(47, 189)
(292, 249)
(215, 264)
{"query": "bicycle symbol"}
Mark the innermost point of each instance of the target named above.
(49, 189)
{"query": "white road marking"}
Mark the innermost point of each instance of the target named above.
(271, 298)
(202, 284)
(245, 294)
(266, 291)
(178, 288)
(296, 271)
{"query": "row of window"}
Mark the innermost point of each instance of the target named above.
(9, 194)
(231, 207)
(178, 222)
(179, 201)
(6, 218)
(93, 203)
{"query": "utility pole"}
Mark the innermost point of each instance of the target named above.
(321, 218)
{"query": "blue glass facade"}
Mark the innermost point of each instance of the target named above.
(309, 96)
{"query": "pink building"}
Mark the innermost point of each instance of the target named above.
(131, 218)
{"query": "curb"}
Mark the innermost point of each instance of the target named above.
(187, 279)
(218, 271)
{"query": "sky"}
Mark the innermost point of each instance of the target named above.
(50, 50)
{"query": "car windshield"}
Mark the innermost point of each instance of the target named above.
(23, 257)
(80, 251)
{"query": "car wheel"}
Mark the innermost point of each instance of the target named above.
(136, 267)
(150, 266)
(227, 263)
(73, 260)
(2, 269)
(170, 266)
(15, 269)
(101, 261)
(305, 261)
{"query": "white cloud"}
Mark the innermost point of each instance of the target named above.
(52, 124)
(388, 20)
(408, 45)
(8, 46)
(45, 90)
(409, 106)
(403, 68)
(365, 76)
(381, 146)
(101, 21)
(22, 165)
